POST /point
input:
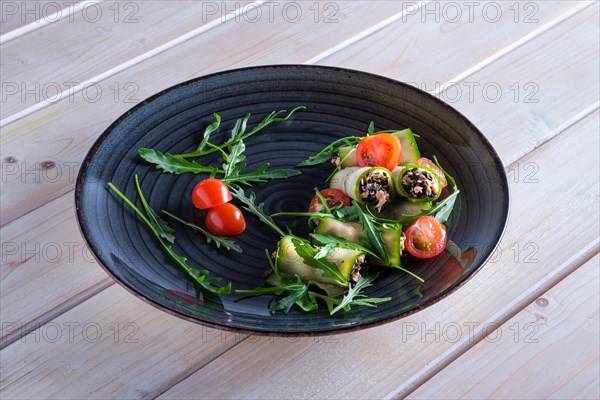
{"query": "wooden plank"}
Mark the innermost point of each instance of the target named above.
(549, 350)
(538, 73)
(390, 360)
(28, 16)
(44, 269)
(268, 43)
(113, 346)
(75, 49)
(55, 299)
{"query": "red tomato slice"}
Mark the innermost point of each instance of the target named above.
(428, 163)
(210, 193)
(425, 238)
(381, 150)
(225, 220)
(334, 198)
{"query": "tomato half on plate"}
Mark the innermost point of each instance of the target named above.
(425, 238)
(334, 197)
(381, 150)
(210, 193)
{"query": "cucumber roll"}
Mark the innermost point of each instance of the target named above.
(418, 183)
(367, 185)
(353, 232)
(288, 261)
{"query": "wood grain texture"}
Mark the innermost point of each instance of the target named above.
(38, 13)
(264, 43)
(97, 41)
(19, 309)
(112, 346)
(550, 350)
(49, 263)
(241, 43)
(391, 360)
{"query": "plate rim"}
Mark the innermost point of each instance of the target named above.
(84, 230)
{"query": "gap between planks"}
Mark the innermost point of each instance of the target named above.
(46, 20)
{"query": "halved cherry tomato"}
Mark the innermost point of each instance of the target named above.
(210, 193)
(425, 238)
(334, 197)
(381, 150)
(428, 163)
(225, 220)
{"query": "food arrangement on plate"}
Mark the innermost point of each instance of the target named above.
(384, 204)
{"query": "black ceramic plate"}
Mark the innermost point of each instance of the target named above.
(339, 103)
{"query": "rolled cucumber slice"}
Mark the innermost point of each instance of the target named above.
(353, 231)
(347, 156)
(348, 180)
(410, 150)
(289, 262)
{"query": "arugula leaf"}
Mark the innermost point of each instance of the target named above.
(371, 128)
(218, 240)
(354, 297)
(235, 156)
(325, 154)
(308, 254)
(174, 164)
(257, 210)
(208, 131)
(334, 241)
(260, 174)
(373, 232)
(239, 132)
(158, 228)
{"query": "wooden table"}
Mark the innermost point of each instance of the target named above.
(526, 73)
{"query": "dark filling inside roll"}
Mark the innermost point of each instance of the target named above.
(420, 183)
(355, 275)
(375, 188)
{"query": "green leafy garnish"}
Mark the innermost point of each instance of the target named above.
(373, 232)
(354, 297)
(325, 154)
(260, 174)
(163, 233)
(218, 240)
(308, 254)
(175, 164)
(257, 210)
(238, 132)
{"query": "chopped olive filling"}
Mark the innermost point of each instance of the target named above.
(375, 188)
(355, 275)
(420, 183)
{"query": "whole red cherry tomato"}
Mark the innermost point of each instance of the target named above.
(225, 220)
(210, 193)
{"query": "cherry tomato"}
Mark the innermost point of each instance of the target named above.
(425, 238)
(334, 198)
(210, 193)
(381, 150)
(225, 220)
(428, 163)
